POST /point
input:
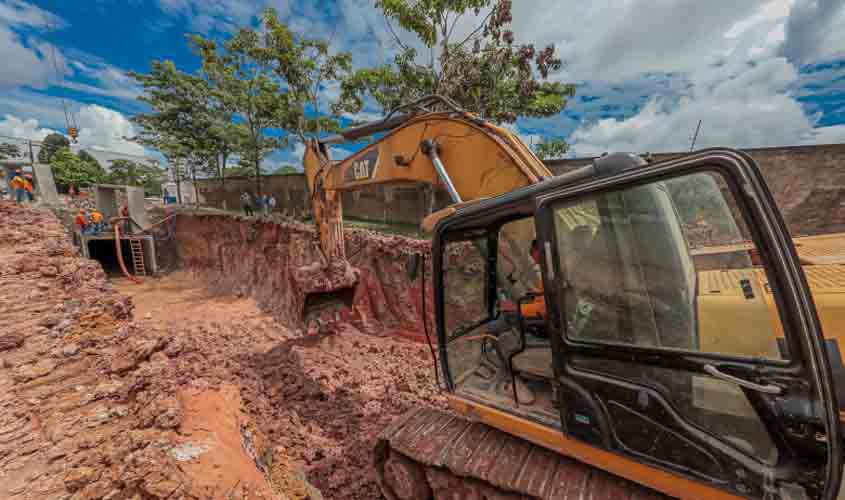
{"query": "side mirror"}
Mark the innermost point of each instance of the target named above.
(412, 266)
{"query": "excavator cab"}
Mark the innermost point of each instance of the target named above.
(644, 361)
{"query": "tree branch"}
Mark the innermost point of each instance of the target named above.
(476, 30)
(395, 36)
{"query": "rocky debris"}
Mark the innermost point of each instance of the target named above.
(89, 404)
(11, 341)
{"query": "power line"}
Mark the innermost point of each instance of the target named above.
(69, 118)
(695, 136)
(96, 149)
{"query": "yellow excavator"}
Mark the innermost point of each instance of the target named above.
(626, 330)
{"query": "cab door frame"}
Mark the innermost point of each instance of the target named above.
(770, 234)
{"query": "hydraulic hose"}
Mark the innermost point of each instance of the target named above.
(120, 250)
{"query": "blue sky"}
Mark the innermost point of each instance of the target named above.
(756, 73)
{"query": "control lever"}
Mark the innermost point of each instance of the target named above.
(520, 319)
(766, 389)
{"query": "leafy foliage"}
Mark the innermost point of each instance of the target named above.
(287, 170)
(241, 72)
(305, 67)
(86, 157)
(189, 123)
(132, 173)
(486, 72)
(50, 145)
(69, 169)
(551, 148)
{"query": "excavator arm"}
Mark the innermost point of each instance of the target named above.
(468, 157)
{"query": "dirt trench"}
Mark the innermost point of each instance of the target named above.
(200, 384)
(272, 262)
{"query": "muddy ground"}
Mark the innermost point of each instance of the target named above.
(195, 385)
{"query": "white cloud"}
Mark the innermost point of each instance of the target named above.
(204, 16)
(25, 14)
(14, 127)
(815, 29)
(751, 109)
(110, 81)
(30, 61)
(104, 129)
(101, 133)
(27, 60)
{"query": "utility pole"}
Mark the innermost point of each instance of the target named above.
(31, 156)
(695, 136)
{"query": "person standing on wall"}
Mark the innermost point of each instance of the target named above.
(246, 204)
(28, 186)
(259, 204)
(97, 222)
(18, 186)
(271, 204)
(82, 221)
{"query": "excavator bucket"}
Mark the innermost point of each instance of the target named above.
(328, 286)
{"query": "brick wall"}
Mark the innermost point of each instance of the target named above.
(402, 204)
(808, 183)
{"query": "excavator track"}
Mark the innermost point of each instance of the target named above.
(430, 454)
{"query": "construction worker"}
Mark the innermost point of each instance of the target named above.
(537, 307)
(124, 213)
(28, 186)
(18, 186)
(82, 221)
(97, 223)
(246, 203)
(508, 339)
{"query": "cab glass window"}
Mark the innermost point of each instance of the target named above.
(666, 265)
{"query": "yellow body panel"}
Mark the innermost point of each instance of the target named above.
(722, 306)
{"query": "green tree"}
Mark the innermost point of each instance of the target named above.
(9, 151)
(241, 71)
(551, 148)
(486, 71)
(305, 67)
(132, 173)
(86, 157)
(68, 169)
(186, 110)
(240, 170)
(287, 170)
(50, 145)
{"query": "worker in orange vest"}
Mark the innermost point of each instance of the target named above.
(18, 185)
(82, 221)
(27, 178)
(97, 221)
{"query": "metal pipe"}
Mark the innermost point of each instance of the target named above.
(429, 148)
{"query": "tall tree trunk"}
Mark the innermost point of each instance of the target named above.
(258, 172)
(195, 196)
(178, 177)
(223, 169)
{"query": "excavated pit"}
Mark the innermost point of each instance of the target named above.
(280, 266)
(204, 383)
